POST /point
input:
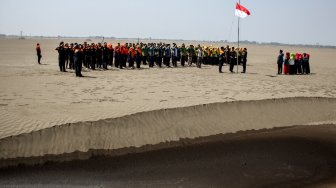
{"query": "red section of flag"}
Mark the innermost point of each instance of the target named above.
(241, 8)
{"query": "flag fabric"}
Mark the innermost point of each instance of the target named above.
(241, 11)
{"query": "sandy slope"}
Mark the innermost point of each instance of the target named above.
(39, 105)
(301, 156)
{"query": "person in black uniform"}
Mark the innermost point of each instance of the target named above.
(78, 57)
(159, 55)
(110, 55)
(244, 59)
(221, 59)
(167, 55)
(61, 56)
(67, 53)
(99, 55)
(105, 55)
(151, 55)
(280, 61)
(85, 55)
(233, 59)
(71, 56)
(93, 56)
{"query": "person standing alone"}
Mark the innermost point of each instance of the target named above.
(39, 53)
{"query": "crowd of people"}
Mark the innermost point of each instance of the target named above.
(131, 55)
(293, 63)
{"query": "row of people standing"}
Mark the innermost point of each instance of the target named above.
(293, 63)
(152, 54)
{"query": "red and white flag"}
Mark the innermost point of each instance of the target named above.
(241, 11)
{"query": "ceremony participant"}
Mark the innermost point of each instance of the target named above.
(244, 59)
(124, 54)
(110, 54)
(71, 56)
(99, 55)
(167, 55)
(145, 54)
(159, 57)
(280, 61)
(38, 53)
(78, 57)
(117, 56)
(151, 54)
(131, 55)
(61, 56)
(306, 66)
(105, 55)
(184, 54)
(292, 70)
(191, 52)
(199, 53)
(286, 64)
(138, 57)
(93, 52)
(233, 59)
(221, 59)
(175, 55)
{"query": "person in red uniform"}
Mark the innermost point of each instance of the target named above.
(117, 56)
(286, 64)
(131, 54)
(39, 53)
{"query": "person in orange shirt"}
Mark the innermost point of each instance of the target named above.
(131, 54)
(138, 57)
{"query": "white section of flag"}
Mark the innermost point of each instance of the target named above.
(241, 11)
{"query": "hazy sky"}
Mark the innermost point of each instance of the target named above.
(287, 21)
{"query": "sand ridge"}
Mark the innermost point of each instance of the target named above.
(154, 127)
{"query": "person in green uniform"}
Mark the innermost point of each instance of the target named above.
(145, 52)
(184, 54)
(191, 54)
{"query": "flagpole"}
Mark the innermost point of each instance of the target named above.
(238, 41)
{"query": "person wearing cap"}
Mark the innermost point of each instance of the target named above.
(38, 53)
(61, 56)
(280, 61)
